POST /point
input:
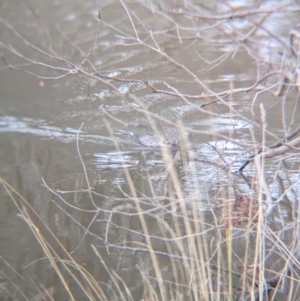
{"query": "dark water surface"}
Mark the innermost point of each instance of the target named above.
(67, 77)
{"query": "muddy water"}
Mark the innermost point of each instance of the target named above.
(47, 107)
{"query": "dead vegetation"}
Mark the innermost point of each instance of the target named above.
(164, 235)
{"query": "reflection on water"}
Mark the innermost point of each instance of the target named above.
(122, 135)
